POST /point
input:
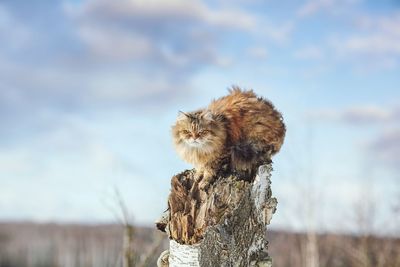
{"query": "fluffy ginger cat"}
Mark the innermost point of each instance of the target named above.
(240, 127)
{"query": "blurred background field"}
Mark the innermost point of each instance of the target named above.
(90, 88)
(42, 245)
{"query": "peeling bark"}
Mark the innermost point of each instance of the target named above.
(223, 226)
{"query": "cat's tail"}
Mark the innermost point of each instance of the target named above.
(247, 155)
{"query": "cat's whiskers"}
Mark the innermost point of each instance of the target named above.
(200, 145)
(195, 143)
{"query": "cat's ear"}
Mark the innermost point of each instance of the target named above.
(182, 116)
(207, 115)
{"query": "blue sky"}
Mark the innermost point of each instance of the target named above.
(89, 89)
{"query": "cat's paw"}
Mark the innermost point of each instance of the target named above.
(204, 184)
(198, 176)
(203, 179)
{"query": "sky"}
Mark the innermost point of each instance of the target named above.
(89, 90)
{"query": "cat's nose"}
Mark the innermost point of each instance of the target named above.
(195, 136)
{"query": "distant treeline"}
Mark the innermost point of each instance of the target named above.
(55, 245)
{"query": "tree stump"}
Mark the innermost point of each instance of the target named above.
(222, 226)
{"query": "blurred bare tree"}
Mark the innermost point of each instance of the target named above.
(125, 218)
(129, 256)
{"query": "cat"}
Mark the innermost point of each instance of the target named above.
(241, 127)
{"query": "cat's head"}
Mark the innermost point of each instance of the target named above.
(199, 131)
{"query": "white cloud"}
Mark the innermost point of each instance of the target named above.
(258, 52)
(359, 115)
(309, 53)
(385, 148)
(164, 11)
(386, 24)
(365, 114)
(277, 33)
(313, 7)
(115, 44)
(368, 42)
(375, 45)
(231, 18)
(173, 36)
(180, 34)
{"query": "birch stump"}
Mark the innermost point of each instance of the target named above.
(222, 226)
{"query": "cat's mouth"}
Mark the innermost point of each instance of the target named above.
(195, 143)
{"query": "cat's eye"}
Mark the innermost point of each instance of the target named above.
(204, 132)
(185, 132)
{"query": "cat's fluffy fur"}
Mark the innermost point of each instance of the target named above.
(240, 126)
